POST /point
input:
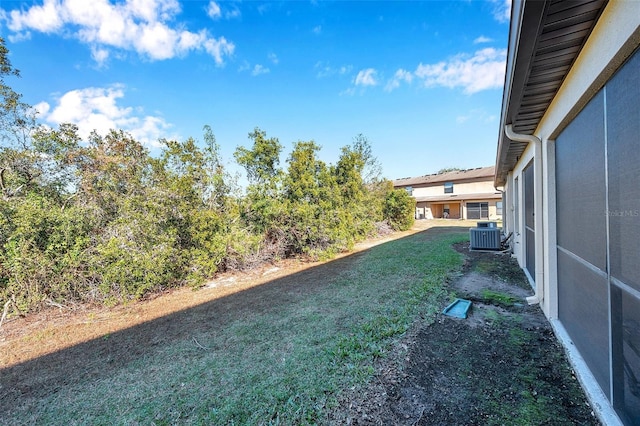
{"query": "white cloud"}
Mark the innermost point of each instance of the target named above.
(326, 70)
(366, 78)
(46, 18)
(17, 38)
(259, 69)
(484, 70)
(482, 39)
(99, 55)
(273, 58)
(461, 119)
(502, 10)
(42, 108)
(348, 92)
(219, 48)
(263, 8)
(233, 13)
(317, 29)
(399, 77)
(213, 10)
(145, 27)
(98, 109)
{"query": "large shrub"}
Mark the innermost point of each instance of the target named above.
(102, 219)
(44, 253)
(399, 209)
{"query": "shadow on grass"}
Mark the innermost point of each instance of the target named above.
(104, 357)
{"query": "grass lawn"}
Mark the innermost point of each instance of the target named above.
(280, 353)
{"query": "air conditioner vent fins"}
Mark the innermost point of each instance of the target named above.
(485, 237)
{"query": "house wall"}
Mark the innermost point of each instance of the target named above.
(458, 188)
(457, 210)
(580, 243)
(598, 235)
(515, 209)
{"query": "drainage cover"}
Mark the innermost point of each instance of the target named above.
(458, 308)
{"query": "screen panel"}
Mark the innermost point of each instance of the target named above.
(584, 313)
(626, 354)
(580, 185)
(623, 147)
(529, 220)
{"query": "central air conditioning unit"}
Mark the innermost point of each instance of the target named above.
(485, 237)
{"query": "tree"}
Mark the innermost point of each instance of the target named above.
(17, 118)
(219, 183)
(262, 161)
(315, 223)
(372, 169)
(399, 209)
(449, 169)
(358, 176)
(262, 209)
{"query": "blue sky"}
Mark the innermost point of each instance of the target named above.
(421, 80)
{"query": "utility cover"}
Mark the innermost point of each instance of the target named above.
(458, 308)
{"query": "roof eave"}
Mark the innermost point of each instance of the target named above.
(545, 38)
(527, 17)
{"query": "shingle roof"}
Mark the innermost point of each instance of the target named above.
(455, 176)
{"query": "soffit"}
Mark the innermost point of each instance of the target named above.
(548, 41)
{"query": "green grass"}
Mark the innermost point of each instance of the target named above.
(283, 364)
(531, 396)
(499, 298)
(505, 271)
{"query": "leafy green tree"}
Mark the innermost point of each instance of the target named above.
(17, 118)
(17, 171)
(220, 185)
(312, 204)
(358, 173)
(262, 161)
(399, 209)
(192, 181)
(263, 209)
(449, 169)
(372, 169)
(103, 220)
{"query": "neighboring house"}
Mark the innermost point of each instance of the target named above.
(463, 194)
(569, 162)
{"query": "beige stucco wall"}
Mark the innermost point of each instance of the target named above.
(425, 210)
(614, 38)
(458, 188)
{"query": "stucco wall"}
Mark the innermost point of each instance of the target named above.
(458, 188)
(614, 39)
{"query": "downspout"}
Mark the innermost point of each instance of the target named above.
(538, 297)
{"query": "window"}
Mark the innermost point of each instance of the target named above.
(409, 189)
(499, 208)
(448, 187)
(477, 210)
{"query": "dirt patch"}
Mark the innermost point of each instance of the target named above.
(501, 365)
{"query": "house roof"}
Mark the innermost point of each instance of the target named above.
(545, 39)
(454, 176)
(460, 197)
